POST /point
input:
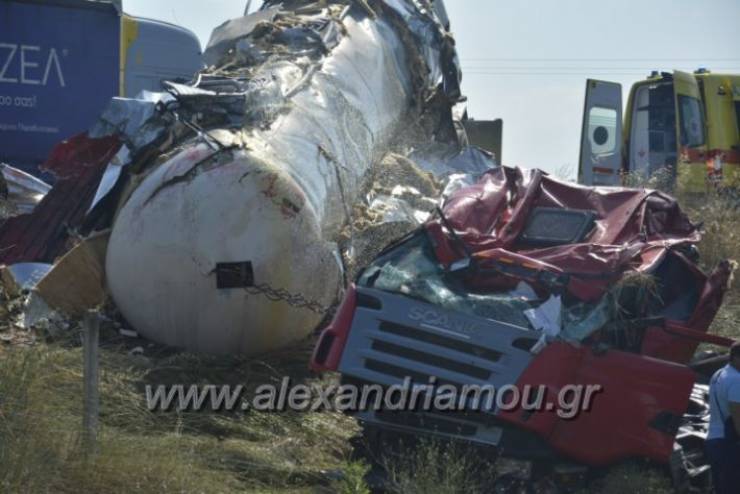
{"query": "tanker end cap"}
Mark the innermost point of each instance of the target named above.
(221, 257)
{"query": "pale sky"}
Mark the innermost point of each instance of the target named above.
(527, 61)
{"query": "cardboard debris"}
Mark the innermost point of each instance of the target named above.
(77, 282)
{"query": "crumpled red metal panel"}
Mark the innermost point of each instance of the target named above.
(663, 345)
(43, 235)
(633, 227)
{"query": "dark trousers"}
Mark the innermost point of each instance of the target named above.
(724, 457)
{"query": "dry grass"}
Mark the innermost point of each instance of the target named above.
(662, 179)
(141, 451)
(633, 478)
(720, 219)
(432, 467)
(634, 291)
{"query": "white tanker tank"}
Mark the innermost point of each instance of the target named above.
(224, 242)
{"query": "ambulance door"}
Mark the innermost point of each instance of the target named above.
(601, 134)
(691, 133)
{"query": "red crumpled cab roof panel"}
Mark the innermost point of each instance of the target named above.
(633, 228)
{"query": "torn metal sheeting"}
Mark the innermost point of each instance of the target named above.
(444, 161)
(22, 190)
(436, 49)
(455, 182)
(137, 122)
(223, 37)
(220, 107)
(111, 175)
(22, 276)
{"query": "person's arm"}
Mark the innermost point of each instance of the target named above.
(734, 399)
(735, 410)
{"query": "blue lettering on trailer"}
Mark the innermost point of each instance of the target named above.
(59, 67)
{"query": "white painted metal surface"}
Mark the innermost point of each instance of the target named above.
(276, 203)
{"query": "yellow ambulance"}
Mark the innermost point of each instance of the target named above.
(684, 125)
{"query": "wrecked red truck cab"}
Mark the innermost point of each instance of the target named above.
(524, 280)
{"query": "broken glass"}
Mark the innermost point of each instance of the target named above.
(411, 269)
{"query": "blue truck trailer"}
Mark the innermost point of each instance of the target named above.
(62, 60)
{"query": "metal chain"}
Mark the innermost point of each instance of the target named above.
(282, 295)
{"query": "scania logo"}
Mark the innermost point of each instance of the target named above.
(442, 321)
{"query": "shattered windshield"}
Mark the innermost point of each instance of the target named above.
(411, 269)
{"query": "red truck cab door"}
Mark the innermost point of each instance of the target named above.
(634, 413)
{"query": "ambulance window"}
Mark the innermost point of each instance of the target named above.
(692, 121)
(602, 130)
